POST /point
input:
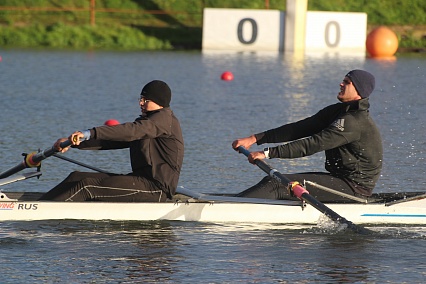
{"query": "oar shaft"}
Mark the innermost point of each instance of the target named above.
(80, 164)
(331, 214)
(266, 168)
(32, 160)
(19, 167)
(40, 156)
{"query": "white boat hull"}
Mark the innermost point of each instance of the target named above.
(409, 212)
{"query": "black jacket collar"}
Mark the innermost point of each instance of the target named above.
(362, 104)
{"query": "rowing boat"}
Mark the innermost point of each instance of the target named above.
(189, 205)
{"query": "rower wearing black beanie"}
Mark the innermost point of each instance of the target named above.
(346, 133)
(156, 149)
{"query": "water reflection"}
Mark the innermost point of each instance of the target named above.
(124, 250)
(173, 251)
(345, 259)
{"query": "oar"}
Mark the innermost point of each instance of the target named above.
(33, 159)
(303, 194)
(80, 164)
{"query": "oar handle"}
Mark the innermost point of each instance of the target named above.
(303, 194)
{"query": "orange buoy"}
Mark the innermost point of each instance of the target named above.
(227, 76)
(382, 42)
(111, 122)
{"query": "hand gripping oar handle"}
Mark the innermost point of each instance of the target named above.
(303, 194)
(33, 159)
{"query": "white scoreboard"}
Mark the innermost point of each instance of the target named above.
(238, 29)
(263, 30)
(333, 31)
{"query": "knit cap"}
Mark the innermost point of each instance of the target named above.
(158, 92)
(363, 81)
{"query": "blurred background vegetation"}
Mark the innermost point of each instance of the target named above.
(171, 24)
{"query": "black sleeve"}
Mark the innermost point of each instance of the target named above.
(98, 144)
(331, 137)
(301, 129)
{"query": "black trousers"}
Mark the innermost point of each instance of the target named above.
(270, 188)
(85, 186)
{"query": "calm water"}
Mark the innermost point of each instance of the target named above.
(47, 95)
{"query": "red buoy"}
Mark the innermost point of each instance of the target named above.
(227, 76)
(111, 122)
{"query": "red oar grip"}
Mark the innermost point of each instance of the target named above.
(297, 189)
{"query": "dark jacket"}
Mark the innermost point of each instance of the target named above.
(347, 134)
(155, 142)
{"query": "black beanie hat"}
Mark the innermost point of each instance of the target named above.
(363, 81)
(158, 92)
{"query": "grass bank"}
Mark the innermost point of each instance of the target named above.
(171, 24)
